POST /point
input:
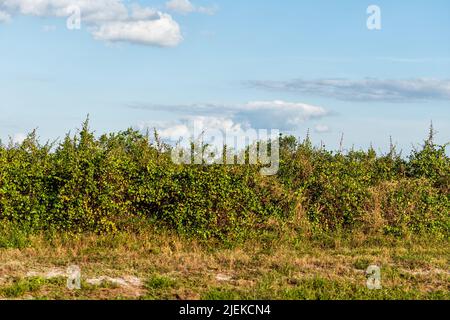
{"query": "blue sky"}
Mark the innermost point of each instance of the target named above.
(290, 65)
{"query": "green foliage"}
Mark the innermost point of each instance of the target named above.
(13, 236)
(320, 288)
(414, 205)
(112, 182)
(159, 282)
(431, 162)
(159, 287)
(21, 286)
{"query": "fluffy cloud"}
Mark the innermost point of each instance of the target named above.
(276, 114)
(209, 122)
(185, 7)
(211, 131)
(140, 13)
(366, 89)
(184, 127)
(109, 20)
(92, 11)
(163, 31)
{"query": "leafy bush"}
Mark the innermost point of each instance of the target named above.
(104, 184)
(413, 205)
(431, 162)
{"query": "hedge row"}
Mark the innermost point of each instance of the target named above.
(103, 184)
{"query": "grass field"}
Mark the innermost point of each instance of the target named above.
(150, 265)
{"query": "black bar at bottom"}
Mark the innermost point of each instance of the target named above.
(130, 310)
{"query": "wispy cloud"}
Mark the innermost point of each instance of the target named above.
(186, 7)
(108, 20)
(369, 89)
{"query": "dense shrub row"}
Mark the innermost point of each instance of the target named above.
(103, 184)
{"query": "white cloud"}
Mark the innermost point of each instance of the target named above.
(174, 132)
(140, 13)
(276, 114)
(217, 124)
(109, 20)
(297, 112)
(209, 130)
(163, 31)
(183, 128)
(185, 7)
(92, 11)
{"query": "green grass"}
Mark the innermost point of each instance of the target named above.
(362, 263)
(20, 287)
(319, 288)
(285, 266)
(158, 282)
(159, 287)
(13, 236)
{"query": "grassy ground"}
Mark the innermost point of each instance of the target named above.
(151, 265)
